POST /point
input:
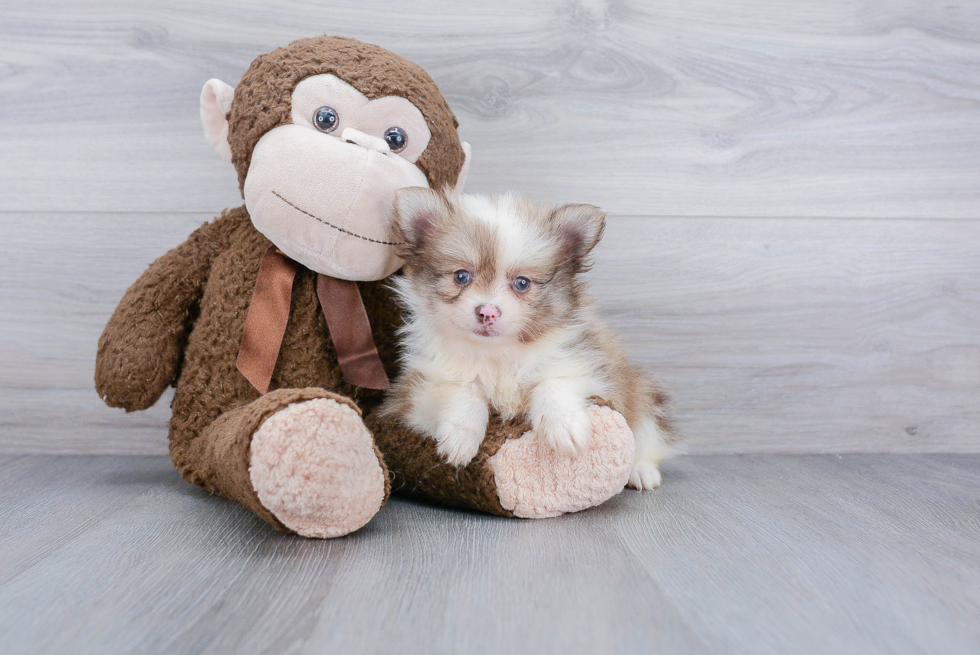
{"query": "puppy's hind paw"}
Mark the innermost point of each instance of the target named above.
(644, 476)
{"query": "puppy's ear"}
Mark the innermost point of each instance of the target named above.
(417, 213)
(579, 227)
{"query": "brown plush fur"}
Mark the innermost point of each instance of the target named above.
(181, 321)
(418, 470)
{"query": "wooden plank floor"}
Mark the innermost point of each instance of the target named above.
(736, 554)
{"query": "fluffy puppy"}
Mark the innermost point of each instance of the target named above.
(497, 317)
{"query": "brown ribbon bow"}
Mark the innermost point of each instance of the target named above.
(268, 313)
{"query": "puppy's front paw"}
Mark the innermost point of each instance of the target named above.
(645, 476)
(458, 442)
(568, 433)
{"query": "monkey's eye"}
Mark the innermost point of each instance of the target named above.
(462, 278)
(326, 119)
(521, 284)
(396, 138)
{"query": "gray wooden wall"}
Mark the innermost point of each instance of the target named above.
(794, 189)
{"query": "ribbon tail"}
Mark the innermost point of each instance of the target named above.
(265, 324)
(350, 330)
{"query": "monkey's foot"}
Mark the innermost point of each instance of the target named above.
(535, 481)
(314, 466)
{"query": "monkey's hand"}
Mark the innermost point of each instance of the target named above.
(142, 346)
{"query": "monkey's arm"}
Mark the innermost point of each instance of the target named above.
(141, 348)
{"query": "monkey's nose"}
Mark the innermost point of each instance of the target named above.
(487, 314)
(350, 135)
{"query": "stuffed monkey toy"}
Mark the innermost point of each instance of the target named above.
(276, 326)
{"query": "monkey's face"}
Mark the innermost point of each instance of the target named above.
(322, 187)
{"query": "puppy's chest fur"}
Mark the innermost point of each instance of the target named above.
(506, 385)
(505, 376)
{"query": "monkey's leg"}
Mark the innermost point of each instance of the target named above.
(301, 459)
(514, 473)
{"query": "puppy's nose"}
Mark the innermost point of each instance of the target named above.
(487, 313)
(350, 135)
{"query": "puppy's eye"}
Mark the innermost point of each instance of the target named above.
(521, 284)
(397, 138)
(462, 278)
(325, 119)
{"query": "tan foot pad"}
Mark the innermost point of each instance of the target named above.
(314, 466)
(534, 482)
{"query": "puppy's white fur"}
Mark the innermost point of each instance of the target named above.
(544, 353)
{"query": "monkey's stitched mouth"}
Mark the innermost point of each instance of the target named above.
(336, 227)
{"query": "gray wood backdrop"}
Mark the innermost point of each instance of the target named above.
(794, 189)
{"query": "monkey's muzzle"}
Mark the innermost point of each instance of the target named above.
(327, 203)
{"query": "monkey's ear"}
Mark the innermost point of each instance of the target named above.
(465, 170)
(579, 227)
(418, 211)
(216, 97)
